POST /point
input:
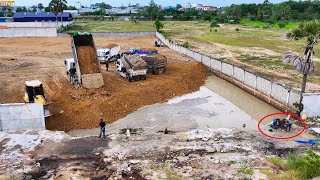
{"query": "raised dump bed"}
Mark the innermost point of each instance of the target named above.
(86, 60)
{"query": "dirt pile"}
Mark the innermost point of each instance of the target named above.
(110, 46)
(150, 49)
(159, 57)
(136, 61)
(88, 61)
(82, 109)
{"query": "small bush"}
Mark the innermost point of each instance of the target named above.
(210, 30)
(184, 44)
(214, 23)
(281, 25)
(256, 26)
(215, 30)
(245, 170)
(237, 29)
(265, 27)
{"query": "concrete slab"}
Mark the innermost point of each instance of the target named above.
(21, 116)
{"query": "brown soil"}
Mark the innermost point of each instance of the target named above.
(159, 57)
(149, 49)
(74, 109)
(88, 61)
(110, 46)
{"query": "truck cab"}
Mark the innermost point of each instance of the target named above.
(69, 63)
(103, 55)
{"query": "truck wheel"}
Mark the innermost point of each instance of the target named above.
(164, 70)
(128, 78)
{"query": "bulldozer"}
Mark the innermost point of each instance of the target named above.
(34, 93)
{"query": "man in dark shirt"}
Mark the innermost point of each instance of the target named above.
(107, 65)
(102, 125)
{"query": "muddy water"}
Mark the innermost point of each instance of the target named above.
(248, 103)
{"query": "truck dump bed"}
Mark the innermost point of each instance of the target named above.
(86, 60)
(135, 62)
(156, 61)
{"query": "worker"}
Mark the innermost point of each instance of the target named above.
(72, 72)
(275, 123)
(102, 125)
(107, 65)
(282, 123)
(288, 125)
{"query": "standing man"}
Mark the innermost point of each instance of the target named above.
(102, 125)
(107, 65)
(288, 125)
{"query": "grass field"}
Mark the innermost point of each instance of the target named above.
(258, 49)
(260, 24)
(111, 26)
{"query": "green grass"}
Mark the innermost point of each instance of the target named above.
(303, 167)
(111, 26)
(245, 170)
(248, 22)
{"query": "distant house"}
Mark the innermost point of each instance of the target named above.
(40, 16)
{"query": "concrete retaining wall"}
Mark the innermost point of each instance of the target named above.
(21, 117)
(28, 32)
(92, 81)
(35, 24)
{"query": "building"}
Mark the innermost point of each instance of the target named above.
(40, 16)
(8, 3)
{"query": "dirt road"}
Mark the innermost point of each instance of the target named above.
(24, 59)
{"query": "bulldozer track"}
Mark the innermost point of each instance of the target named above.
(56, 80)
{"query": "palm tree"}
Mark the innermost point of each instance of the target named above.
(310, 32)
(57, 6)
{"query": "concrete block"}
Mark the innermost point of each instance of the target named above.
(250, 79)
(238, 73)
(264, 85)
(279, 93)
(227, 69)
(21, 116)
(216, 64)
(197, 56)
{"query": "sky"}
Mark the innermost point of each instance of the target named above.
(117, 3)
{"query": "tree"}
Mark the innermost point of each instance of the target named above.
(47, 9)
(57, 6)
(309, 31)
(158, 25)
(178, 6)
(103, 7)
(40, 6)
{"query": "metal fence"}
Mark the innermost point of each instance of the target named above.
(274, 90)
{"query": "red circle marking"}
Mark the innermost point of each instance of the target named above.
(285, 138)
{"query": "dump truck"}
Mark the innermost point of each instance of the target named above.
(131, 67)
(86, 61)
(109, 53)
(156, 63)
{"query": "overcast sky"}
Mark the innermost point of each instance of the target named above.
(144, 2)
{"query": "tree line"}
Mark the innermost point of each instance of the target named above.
(268, 12)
